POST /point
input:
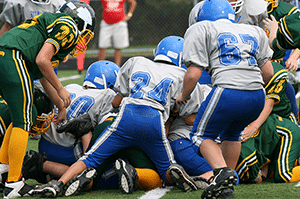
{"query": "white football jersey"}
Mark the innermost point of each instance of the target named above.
(143, 81)
(232, 53)
(96, 102)
(15, 12)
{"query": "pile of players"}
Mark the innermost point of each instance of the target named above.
(209, 110)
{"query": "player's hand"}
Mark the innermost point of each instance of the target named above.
(291, 64)
(271, 24)
(61, 116)
(65, 96)
(66, 59)
(181, 101)
(248, 132)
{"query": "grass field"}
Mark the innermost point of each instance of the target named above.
(242, 191)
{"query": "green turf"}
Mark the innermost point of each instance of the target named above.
(242, 191)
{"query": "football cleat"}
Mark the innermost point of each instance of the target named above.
(201, 183)
(17, 189)
(227, 193)
(3, 174)
(49, 190)
(182, 180)
(224, 178)
(127, 176)
(79, 182)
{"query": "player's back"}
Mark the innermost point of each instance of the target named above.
(231, 52)
(150, 83)
(95, 102)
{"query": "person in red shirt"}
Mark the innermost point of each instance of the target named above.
(113, 27)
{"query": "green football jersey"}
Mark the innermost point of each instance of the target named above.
(58, 29)
(275, 89)
(288, 36)
(279, 12)
(276, 144)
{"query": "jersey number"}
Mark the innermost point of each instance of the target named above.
(158, 93)
(230, 54)
(79, 105)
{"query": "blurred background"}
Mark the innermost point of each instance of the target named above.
(152, 21)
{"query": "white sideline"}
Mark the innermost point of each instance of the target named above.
(69, 77)
(156, 193)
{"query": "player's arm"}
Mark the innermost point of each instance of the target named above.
(291, 63)
(43, 60)
(267, 71)
(254, 126)
(130, 10)
(191, 78)
(6, 27)
(117, 101)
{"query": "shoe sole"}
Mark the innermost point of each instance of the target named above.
(73, 187)
(215, 193)
(182, 180)
(125, 184)
(45, 193)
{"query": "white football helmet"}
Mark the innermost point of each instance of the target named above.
(42, 2)
(237, 5)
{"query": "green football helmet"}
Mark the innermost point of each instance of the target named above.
(84, 17)
(44, 108)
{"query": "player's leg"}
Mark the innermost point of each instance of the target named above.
(151, 138)
(288, 152)
(16, 87)
(220, 103)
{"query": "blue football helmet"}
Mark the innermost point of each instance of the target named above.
(169, 50)
(101, 74)
(213, 10)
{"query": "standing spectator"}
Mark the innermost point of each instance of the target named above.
(28, 52)
(113, 27)
(235, 55)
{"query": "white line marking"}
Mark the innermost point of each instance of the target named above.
(69, 77)
(156, 193)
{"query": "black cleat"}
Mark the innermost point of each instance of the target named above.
(224, 178)
(49, 190)
(79, 182)
(182, 180)
(127, 176)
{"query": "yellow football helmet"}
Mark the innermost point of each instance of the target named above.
(271, 5)
(43, 107)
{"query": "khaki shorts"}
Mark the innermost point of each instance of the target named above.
(113, 35)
